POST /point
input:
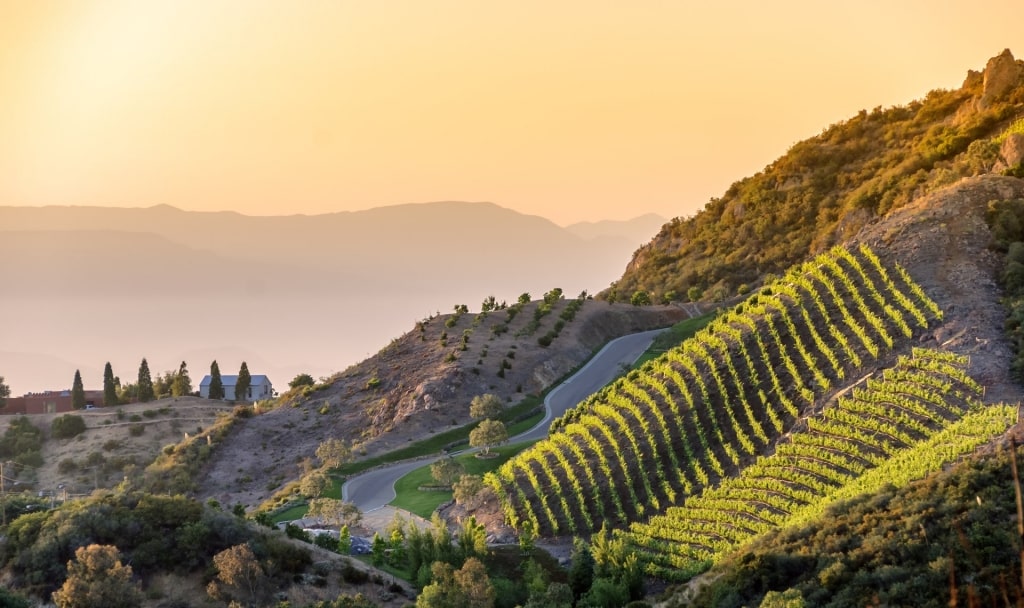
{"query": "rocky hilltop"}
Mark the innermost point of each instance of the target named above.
(826, 188)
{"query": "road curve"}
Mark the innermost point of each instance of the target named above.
(374, 489)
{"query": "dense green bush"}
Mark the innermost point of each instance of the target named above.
(22, 443)
(67, 426)
(155, 533)
(1006, 221)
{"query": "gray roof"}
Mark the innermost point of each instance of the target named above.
(225, 380)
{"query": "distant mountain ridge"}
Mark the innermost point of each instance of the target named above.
(356, 279)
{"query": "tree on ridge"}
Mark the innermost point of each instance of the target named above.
(77, 392)
(242, 383)
(109, 386)
(145, 383)
(216, 385)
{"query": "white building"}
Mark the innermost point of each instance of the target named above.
(259, 388)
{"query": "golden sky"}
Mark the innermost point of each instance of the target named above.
(573, 110)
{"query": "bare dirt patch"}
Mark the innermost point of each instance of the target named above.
(118, 442)
(942, 240)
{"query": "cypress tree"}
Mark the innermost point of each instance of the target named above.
(145, 383)
(109, 386)
(216, 386)
(182, 384)
(242, 384)
(77, 392)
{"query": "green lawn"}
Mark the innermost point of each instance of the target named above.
(299, 511)
(409, 497)
(436, 443)
(676, 334)
(524, 425)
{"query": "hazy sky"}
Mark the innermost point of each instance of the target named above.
(573, 110)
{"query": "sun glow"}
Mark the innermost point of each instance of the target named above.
(579, 110)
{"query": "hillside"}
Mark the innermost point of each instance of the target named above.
(812, 390)
(826, 188)
(419, 385)
(118, 443)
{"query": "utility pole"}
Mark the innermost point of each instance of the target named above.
(3, 495)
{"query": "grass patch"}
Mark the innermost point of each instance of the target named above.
(441, 441)
(292, 513)
(1016, 126)
(299, 511)
(524, 425)
(675, 335)
(409, 497)
(400, 573)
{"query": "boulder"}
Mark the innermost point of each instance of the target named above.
(1012, 150)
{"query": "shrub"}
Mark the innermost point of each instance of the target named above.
(640, 298)
(351, 574)
(325, 541)
(67, 426)
(32, 458)
(301, 380)
(136, 429)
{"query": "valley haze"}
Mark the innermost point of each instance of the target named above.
(287, 294)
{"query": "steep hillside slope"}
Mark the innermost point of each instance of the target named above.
(829, 186)
(942, 239)
(419, 385)
(709, 439)
(947, 540)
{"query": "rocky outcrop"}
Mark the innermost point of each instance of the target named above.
(1002, 74)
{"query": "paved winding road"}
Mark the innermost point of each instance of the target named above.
(374, 489)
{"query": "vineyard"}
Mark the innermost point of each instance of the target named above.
(918, 415)
(716, 403)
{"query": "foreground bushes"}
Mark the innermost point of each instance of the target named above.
(153, 533)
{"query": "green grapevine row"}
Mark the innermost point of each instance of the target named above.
(720, 400)
(852, 444)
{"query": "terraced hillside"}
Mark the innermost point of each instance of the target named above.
(906, 422)
(717, 402)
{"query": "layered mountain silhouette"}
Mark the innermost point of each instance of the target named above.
(91, 284)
